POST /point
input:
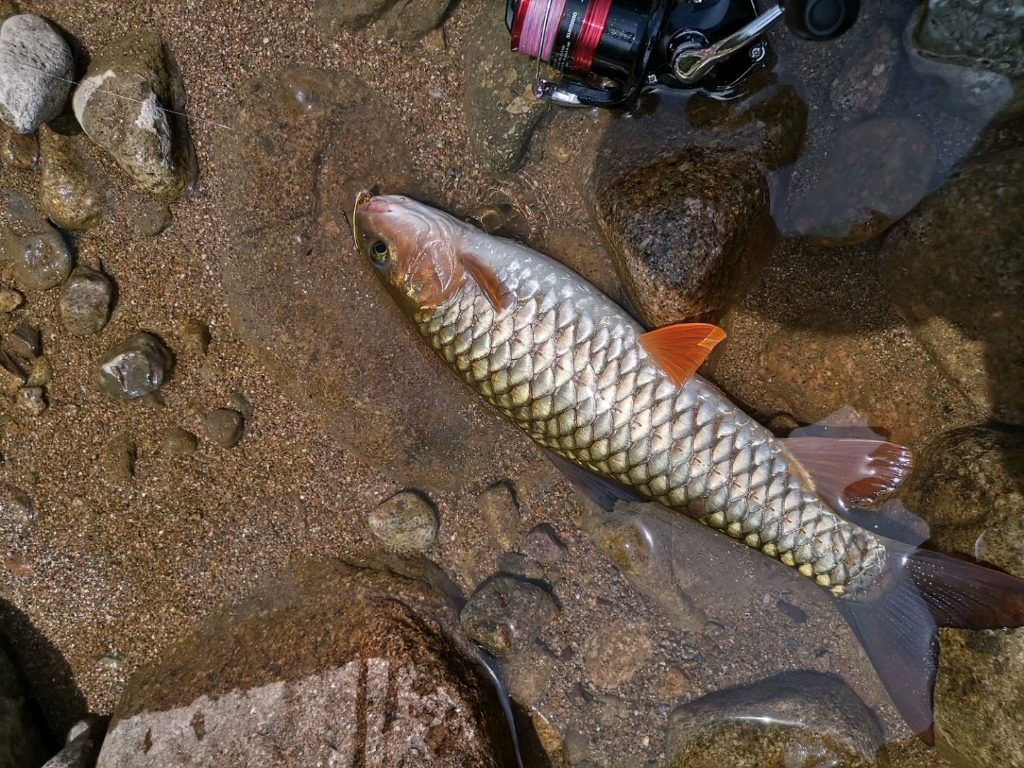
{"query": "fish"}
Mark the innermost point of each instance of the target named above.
(624, 413)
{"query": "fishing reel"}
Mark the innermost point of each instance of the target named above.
(609, 51)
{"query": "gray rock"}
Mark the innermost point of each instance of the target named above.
(85, 301)
(10, 300)
(877, 172)
(70, 193)
(543, 544)
(506, 614)
(864, 82)
(131, 103)
(31, 400)
(977, 91)
(82, 747)
(955, 270)
(224, 427)
(295, 676)
(500, 511)
(134, 368)
(20, 150)
(429, 430)
(501, 111)
(178, 442)
(401, 19)
(688, 233)
(36, 71)
(988, 33)
(406, 522)
(800, 718)
(968, 485)
(39, 261)
(25, 342)
(15, 505)
(615, 654)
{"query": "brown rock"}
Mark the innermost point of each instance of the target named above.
(20, 150)
(224, 427)
(875, 174)
(70, 193)
(688, 234)
(528, 674)
(863, 84)
(311, 309)
(294, 676)
(613, 656)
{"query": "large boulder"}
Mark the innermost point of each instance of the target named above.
(331, 664)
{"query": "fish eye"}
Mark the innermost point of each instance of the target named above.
(380, 252)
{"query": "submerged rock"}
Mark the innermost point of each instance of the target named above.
(19, 150)
(955, 270)
(10, 300)
(177, 441)
(131, 102)
(969, 485)
(85, 301)
(39, 261)
(986, 33)
(404, 19)
(134, 368)
(70, 193)
(500, 510)
(406, 522)
(798, 719)
(875, 174)
(507, 614)
(614, 655)
(31, 400)
(501, 110)
(36, 72)
(224, 426)
(311, 309)
(688, 234)
(295, 676)
(866, 79)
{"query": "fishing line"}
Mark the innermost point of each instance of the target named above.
(125, 98)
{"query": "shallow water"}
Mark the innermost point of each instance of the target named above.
(654, 613)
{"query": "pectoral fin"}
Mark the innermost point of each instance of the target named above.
(497, 292)
(680, 349)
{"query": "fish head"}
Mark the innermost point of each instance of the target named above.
(414, 249)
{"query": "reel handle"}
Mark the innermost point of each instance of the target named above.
(820, 19)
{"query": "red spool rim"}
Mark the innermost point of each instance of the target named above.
(517, 23)
(590, 35)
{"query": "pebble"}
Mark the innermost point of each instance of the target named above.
(134, 368)
(224, 427)
(15, 505)
(406, 522)
(39, 261)
(528, 672)
(10, 300)
(36, 71)
(507, 614)
(31, 400)
(25, 342)
(543, 544)
(19, 150)
(85, 301)
(153, 218)
(194, 336)
(41, 372)
(178, 442)
(143, 131)
(613, 656)
(516, 564)
(500, 511)
(70, 193)
(863, 84)
(12, 375)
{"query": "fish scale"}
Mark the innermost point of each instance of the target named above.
(574, 376)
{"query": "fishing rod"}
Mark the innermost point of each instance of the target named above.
(610, 51)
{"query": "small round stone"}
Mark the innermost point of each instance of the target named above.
(406, 522)
(36, 72)
(224, 426)
(85, 301)
(507, 614)
(31, 400)
(134, 368)
(40, 261)
(178, 442)
(543, 544)
(10, 300)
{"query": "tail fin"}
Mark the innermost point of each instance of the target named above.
(899, 628)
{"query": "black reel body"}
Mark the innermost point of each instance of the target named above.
(610, 50)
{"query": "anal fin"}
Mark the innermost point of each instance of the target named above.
(848, 463)
(680, 349)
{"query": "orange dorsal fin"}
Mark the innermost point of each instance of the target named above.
(681, 348)
(485, 276)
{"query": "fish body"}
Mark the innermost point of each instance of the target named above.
(566, 365)
(616, 404)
